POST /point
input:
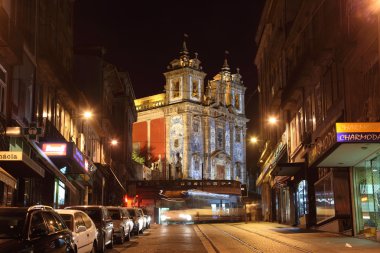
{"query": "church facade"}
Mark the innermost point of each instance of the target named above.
(196, 130)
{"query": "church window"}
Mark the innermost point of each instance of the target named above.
(237, 101)
(237, 135)
(196, 126)
(195, 92)
(220, 138)
(175, 90)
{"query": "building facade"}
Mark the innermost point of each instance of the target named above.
(319, 165)
(196, 130)
(49, 152)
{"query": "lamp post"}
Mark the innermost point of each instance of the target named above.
(86, 116)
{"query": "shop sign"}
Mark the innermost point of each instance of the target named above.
(78, 157)
(358, 132)
(322, 144)
(54, 149)
(10, 155)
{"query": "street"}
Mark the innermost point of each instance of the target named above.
(241, 237)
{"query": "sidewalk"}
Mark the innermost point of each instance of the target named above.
(314, 240)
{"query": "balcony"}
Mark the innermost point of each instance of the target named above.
(10, 40)
(213, 186)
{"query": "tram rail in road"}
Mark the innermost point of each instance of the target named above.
(231, 240)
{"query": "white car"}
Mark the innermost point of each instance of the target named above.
(137, 220)
(83, 229)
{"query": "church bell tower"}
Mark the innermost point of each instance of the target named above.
(184, 78)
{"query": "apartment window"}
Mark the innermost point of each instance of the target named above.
(318, 104)
(3, 90)
(308, 114)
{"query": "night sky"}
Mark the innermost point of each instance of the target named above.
(142, 37)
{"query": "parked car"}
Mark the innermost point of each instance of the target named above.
(83, 229)
(130, 220)
(103, 223)
(34, 229)
(121, 223)
(148, 217)
(145, 221)
(138, 221)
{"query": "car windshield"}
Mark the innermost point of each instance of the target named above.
(114, 213)
(68, 218)
(11, 223)
(94, 213)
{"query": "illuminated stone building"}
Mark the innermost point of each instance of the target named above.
(318, 68)
(196, 129)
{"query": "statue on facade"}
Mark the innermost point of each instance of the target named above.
(178, 167)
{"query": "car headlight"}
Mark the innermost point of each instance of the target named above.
(185, 216)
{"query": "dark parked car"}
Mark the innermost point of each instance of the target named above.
(33, 229)
(122, 224)
(103, 222)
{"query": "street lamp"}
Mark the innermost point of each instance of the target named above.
(253, 140)
(272, 120)
(87, 114)
(114, 142)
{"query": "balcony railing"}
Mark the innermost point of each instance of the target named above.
(215, 186)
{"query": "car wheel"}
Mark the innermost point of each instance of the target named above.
(102, 247)
(93, 250)
(128, 237)
(110, 245)
(122, 237)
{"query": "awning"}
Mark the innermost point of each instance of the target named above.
(18, 163)
(287, 169)
(52, 168)
(349, 154)
(7, 179)
(277, 156)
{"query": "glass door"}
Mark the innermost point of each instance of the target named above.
(367, 197)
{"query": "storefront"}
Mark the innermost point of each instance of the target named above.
(355, 154)
(7, 185)
(75, 166)
(34, 174)
(366, 191)
(271, 193)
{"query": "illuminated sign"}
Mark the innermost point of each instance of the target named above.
(78, 157)
(10, 155)
(54, 149)
(358, 132)
(86, 165)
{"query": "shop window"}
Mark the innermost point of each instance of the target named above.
(324, 198)
(302, 198)
(367, 197)
(59, 194)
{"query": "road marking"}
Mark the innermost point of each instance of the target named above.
(209, 246)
